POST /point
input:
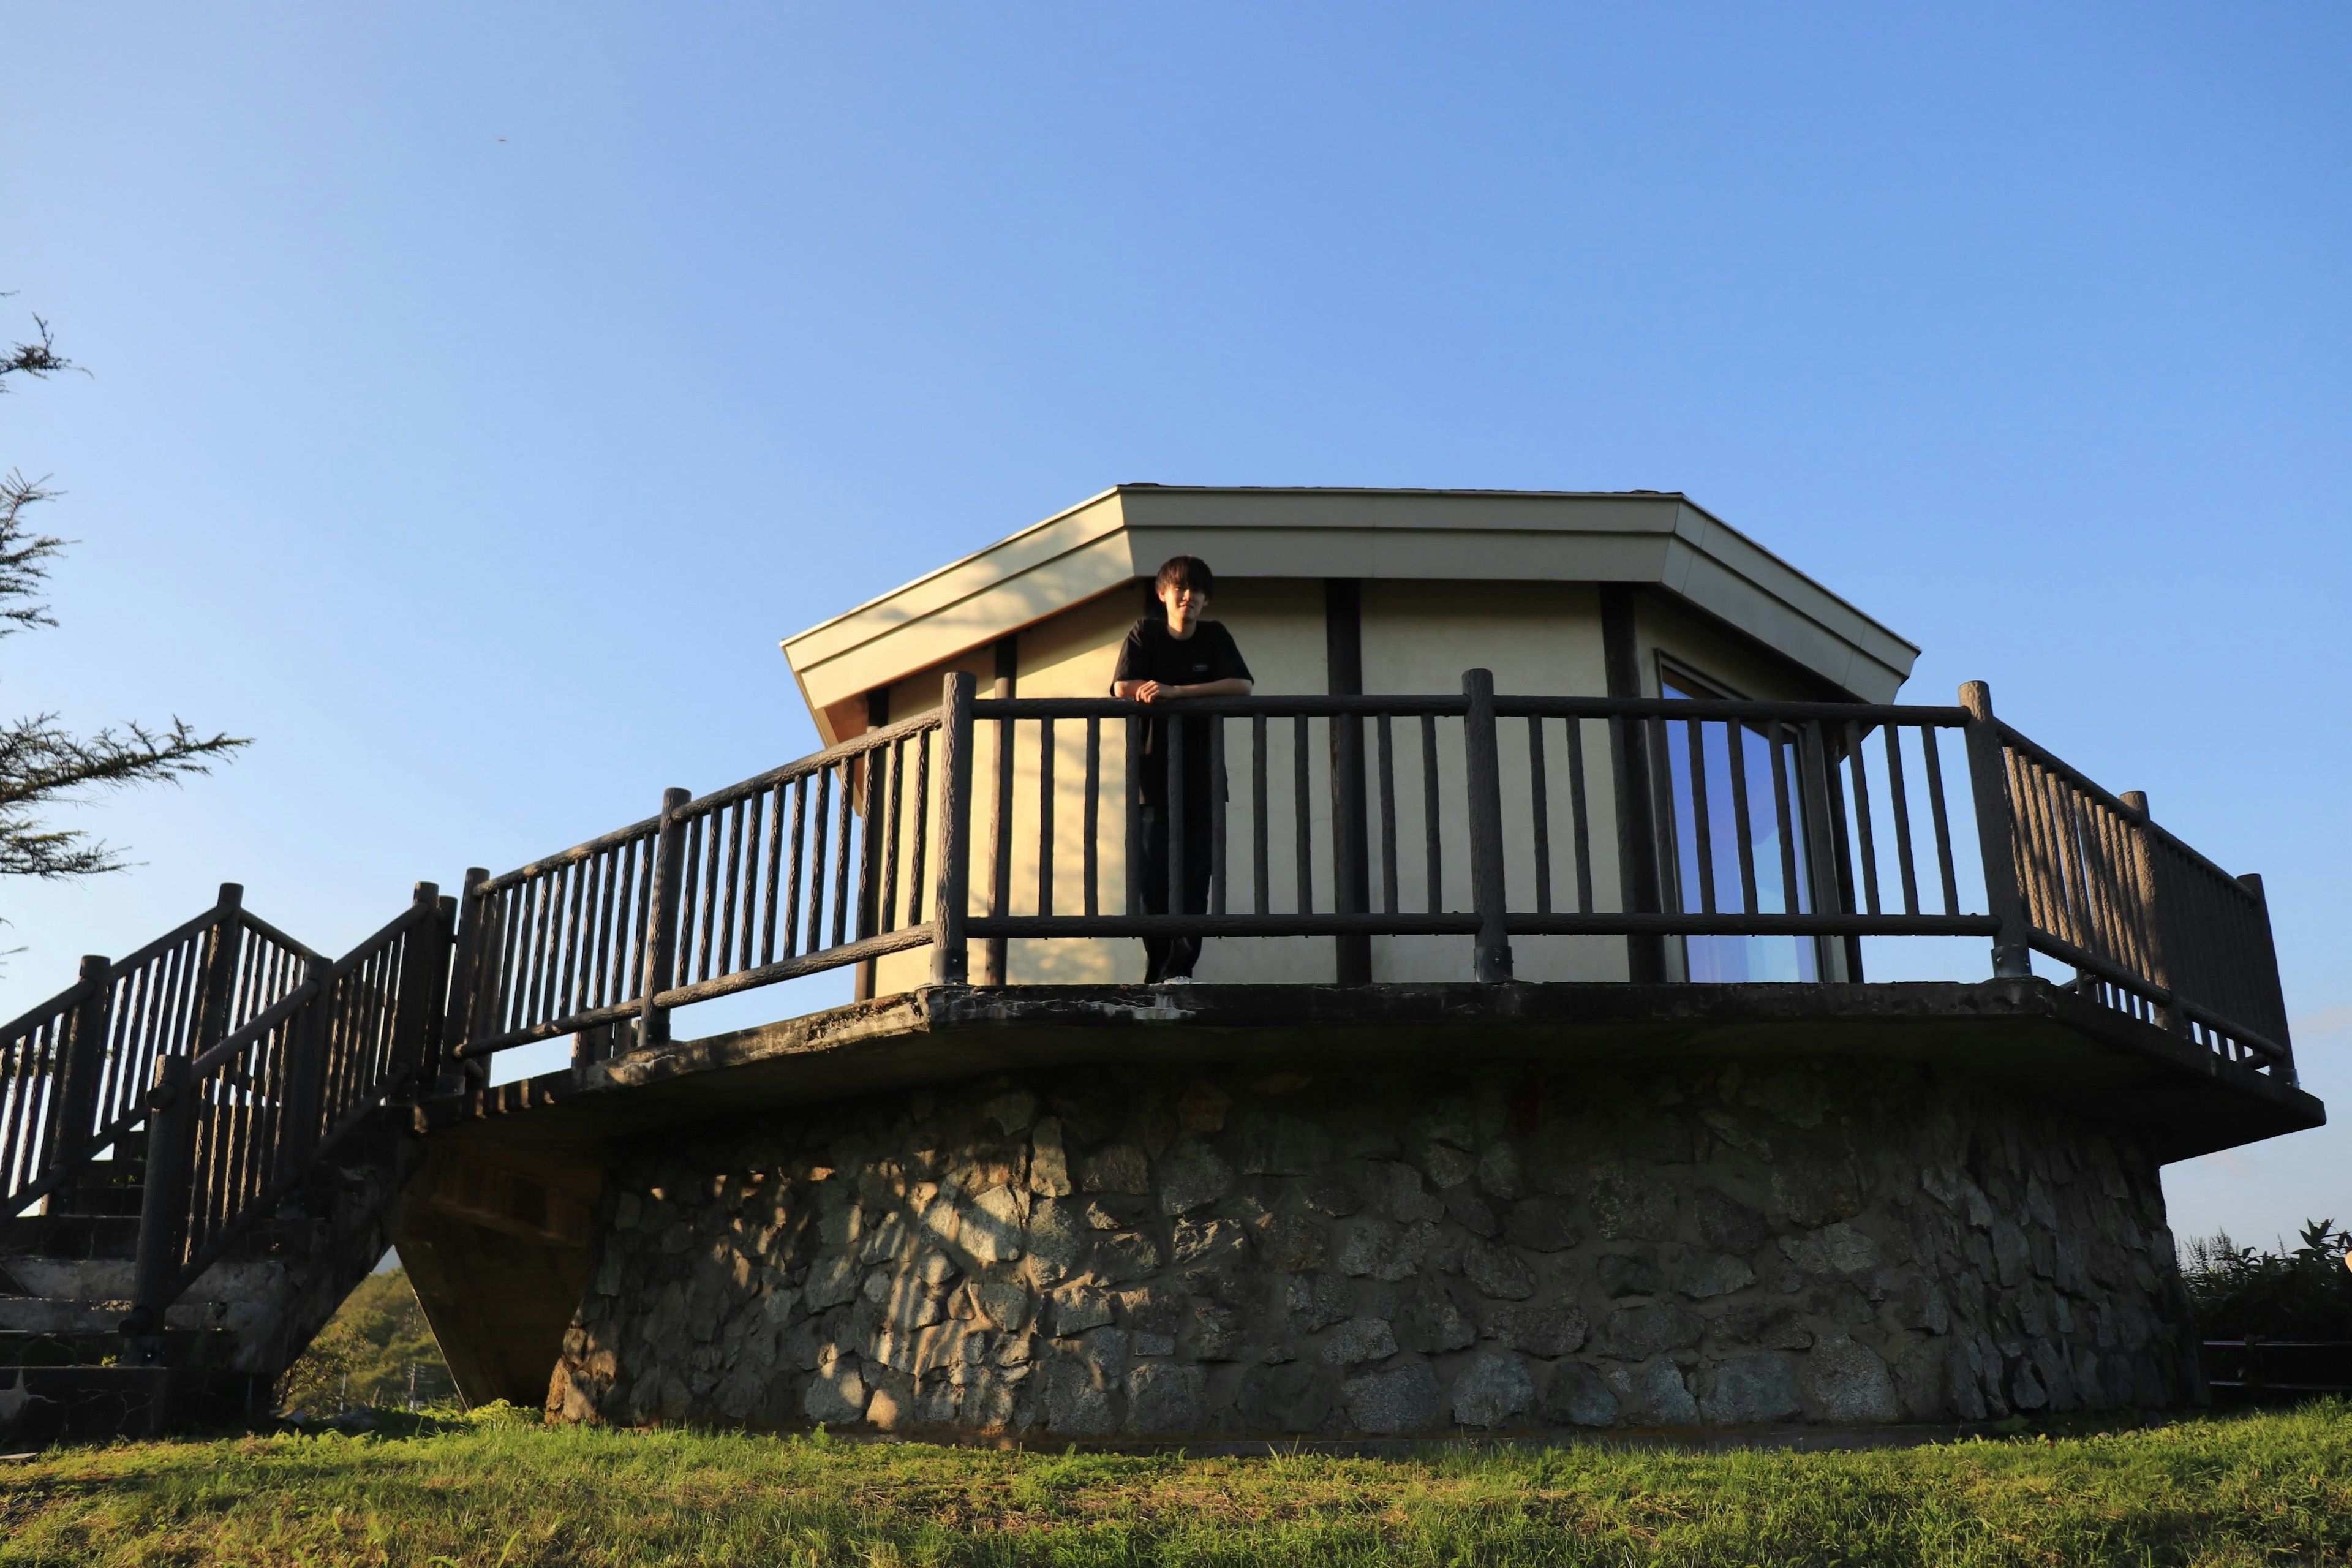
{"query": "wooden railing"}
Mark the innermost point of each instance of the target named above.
(2150, 925)
(75, 1071)
(765, 880)
(233, 1130)
(1683, 827)
(236, 1055)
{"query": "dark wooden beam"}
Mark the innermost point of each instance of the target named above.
(993, 955)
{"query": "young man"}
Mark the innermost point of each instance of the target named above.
(1167, 657)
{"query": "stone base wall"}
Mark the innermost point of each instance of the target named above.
(1106, 1254)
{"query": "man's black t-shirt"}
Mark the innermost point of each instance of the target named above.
(1149, 653)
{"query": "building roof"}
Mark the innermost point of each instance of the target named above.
(1658, 538)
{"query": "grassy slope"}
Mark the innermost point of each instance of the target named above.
(2267, 1489)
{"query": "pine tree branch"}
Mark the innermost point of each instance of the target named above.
(43, 764)
(36, 360)
(22, 554)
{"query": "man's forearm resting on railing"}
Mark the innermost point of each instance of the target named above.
(1153, 691)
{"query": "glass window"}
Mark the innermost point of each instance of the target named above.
(1722, 958)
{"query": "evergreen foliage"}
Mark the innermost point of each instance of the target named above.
(43, 764)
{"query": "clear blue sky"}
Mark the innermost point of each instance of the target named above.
(481, 391)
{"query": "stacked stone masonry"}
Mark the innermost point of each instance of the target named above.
(1104, 1254)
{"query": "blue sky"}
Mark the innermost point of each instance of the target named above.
(479, 393)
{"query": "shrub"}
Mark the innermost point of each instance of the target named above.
(2303, 1294)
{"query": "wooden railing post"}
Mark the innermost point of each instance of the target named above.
(424, 966)
(949, 959)
(73, 1114)
(662, 916)
(309, 1035)
(219, 972)
(466, 970)
(1996, 835)
(995, 953)
(1483, 768)
(2151, 907)
(1351, 879)
(171, 1107)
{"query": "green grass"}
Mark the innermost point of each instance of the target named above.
(2274, 1489)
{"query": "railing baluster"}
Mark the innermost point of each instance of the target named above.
(1046, 845)
(1132, 795)
(1000, 842)
(1854, 750)
(1901, 801)
(820, 846)
(1581, 818)
(609, 906)
(747, 829)
(799, 852)
(869, 840)
(1673, 897)
(566, 988)
(770, 891)
(1217, 816)
(845, 832)
(871, 836)
(892, 817)
(1388, 816)
(1089, 855)
(1735, 737)
(1840, 842)
(1303, 835)
(1702, 818)
(1172, 834)
(1431, 851)
(919, 828)
(716, 894)
(1260, 877)
(1539, 812)
(1938, 814)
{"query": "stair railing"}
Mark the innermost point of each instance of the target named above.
(75, 1071)
(235, 1129)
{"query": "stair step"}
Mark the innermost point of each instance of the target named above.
(74, 1236)
(71, 1315)
(92, 1404)
(181, 1347)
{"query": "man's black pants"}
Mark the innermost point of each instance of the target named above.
(1167, 955)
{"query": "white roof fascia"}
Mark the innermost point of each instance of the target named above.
(1124, 532)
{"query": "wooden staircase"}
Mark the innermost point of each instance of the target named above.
(205, 1147)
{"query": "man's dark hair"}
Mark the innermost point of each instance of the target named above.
(1185, 572)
